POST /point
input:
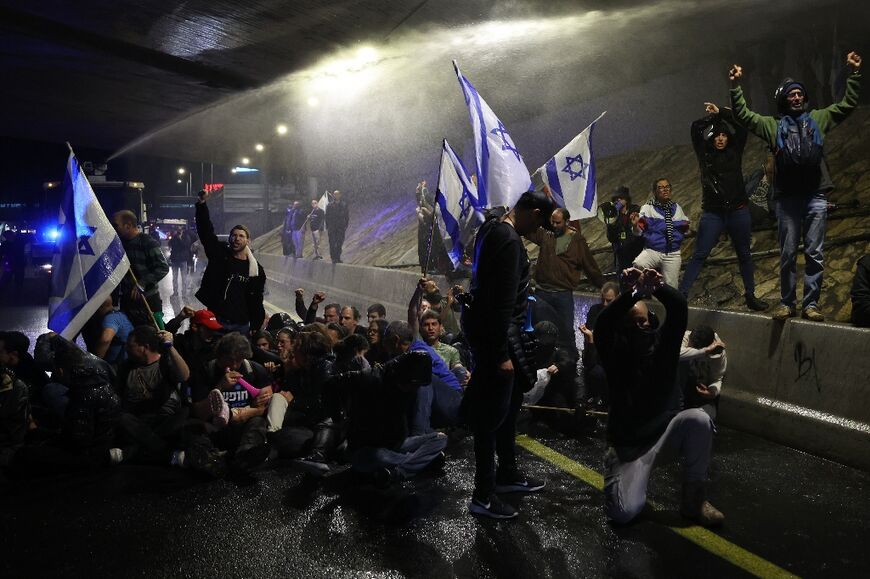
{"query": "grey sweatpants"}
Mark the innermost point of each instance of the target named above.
(689, 435)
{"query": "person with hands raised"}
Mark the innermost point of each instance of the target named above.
(644, 424)
(801, 177)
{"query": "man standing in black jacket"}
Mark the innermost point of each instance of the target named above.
(233, 282)
(719, 141)
(337, 218)
(643, 424)
(493, 323)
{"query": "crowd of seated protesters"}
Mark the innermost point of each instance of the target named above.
(321, 390)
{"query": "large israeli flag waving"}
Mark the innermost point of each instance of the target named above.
(570, 175)
(456, 204)
(89, 260)
(502, 176)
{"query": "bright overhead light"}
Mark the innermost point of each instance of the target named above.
(281, 129)
(179, 181)
(366, 55)
(313, 101)
(246, 161)
(234, 171)
(181, 170)
(259, 147)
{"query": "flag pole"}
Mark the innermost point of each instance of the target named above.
(434, 214)
(144, 299)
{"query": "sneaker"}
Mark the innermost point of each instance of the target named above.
(493, 508)
(755, 304)
(783, 312)
(519, 484)
(812, 314)
(116, 455)
(219, 409)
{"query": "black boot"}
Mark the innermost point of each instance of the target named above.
(696, 507)
(755, 304)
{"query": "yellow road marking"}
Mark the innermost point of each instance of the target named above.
(704, 538)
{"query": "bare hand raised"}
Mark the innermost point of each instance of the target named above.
(735, 72)
(711, 109)
(853, 59)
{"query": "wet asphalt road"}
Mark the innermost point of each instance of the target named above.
(804, 515)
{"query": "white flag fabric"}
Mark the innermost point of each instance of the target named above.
(324, 201)
(456, 204)
(502, 175)
(89, 260)
(570, 175)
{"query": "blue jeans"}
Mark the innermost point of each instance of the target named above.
(415, 453)
(798, 214)
(738, 224)
(438, 399)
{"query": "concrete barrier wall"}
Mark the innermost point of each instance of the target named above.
(802, 384)
(352, 285)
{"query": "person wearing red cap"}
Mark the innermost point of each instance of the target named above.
(196, 345)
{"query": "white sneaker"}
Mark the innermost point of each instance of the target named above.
(116, 455)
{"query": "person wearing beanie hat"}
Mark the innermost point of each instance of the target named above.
(233, 283)
(719, 142)
(801, 180)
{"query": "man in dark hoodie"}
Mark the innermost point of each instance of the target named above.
(493, 325)
(801, 181)
(233, 283)
(719, 142)
(643, 425)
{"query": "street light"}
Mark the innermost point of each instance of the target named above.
(246, 161)
(183, 171)
(259, 147)
(281, 129)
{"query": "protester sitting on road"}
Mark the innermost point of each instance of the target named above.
(232, 396)
(350, 317)
(702, 368)
(149, 385)
(376, 312)
(308, 315)
(594, 377)
(106, 333)
(331, 313)
(378, 403)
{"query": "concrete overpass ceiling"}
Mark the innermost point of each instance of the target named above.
(105, 74)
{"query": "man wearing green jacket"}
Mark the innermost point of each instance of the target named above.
(801, 181)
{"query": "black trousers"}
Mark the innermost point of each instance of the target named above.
(151, 437)
(336, 240)
(490, 405)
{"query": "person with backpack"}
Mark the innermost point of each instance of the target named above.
(801, 178)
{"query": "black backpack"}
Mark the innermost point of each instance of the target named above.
(798, 142)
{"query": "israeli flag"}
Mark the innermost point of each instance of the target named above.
(502, 176)
(89, 260)
(570, 175)
(457, 205)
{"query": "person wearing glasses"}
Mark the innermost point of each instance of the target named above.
(663, 225)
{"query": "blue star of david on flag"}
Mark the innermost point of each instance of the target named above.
(85, 242)
(464, 204)
(506, 144)
(569, 166)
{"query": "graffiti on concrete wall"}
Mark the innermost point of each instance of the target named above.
(805, 360)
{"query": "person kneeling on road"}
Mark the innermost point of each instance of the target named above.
(643, 425)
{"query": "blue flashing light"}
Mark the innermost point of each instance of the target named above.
(53, 234)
